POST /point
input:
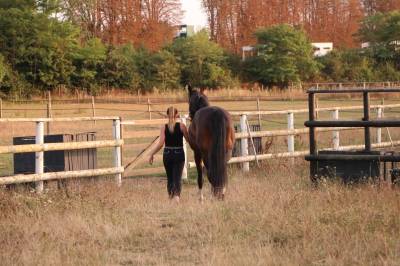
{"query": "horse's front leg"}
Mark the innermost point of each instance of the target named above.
(197, 159)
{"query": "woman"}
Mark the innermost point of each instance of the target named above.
(171, 135)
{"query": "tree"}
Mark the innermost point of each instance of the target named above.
(35, 44)
(119, 69)
(2, 68)
(168, 70)
(202, 61)
(87, 62)
(382, 32)
(284, 55)
(150, 23)
(146, 69)
(233, 22)
(347, 65)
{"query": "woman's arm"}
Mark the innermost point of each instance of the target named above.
(160, 144)
(184, 131)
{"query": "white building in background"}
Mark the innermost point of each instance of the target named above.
(184, 31)
(322, 48)
(247, 51)
(364, 45)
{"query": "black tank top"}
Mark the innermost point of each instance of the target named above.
(174, 139)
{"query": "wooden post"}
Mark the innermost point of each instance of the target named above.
(185, 167)
(49, 113)
(367, 132)
(149, 107)
(78, 99)
(379, 130)
(316, 108)
(39, 156)
(117, 149)
(335, 134)
(93, 110)
(290, 138)
(312, 135)
(258, 110)
(244, 144)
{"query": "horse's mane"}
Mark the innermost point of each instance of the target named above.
(197, 100)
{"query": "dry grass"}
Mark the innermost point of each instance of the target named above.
(270, 217)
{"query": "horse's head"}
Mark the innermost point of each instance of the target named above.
(197, 100)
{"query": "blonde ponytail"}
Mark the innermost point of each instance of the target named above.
(172, 114)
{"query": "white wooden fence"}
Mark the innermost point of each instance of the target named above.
(39, 148)
(290, 132)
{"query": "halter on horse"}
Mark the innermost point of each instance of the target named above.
(211, 136)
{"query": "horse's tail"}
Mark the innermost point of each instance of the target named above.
(217, 157)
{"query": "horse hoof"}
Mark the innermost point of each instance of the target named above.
(176, 199)
(201, 197)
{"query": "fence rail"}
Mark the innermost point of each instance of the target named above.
(59, 119)
(60, 146)
(6, 180)
(290, 132)
(39, 147)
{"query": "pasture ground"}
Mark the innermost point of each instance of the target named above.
(272, 216)
(134, 146)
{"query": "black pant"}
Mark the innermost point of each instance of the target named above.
(174, 161)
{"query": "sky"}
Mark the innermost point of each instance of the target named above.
(194, 13)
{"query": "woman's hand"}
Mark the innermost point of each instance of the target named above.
(151, 159)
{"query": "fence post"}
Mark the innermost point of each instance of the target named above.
(184, 172)
(258, 110)
(290, 138)
(379, 130)
(39, 156)
(149, 107)
(49, 113)
(117, 149)
(335, 134)
(244, 143)
(93, 110)
(78, 101)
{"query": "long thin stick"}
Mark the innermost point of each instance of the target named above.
(252, 142)
(141, 153)
(390, 137)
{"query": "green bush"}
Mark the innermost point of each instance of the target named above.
(347, 65)
(2, 68)
(119, 69)
(382, 32)
(203, 62)
(36, 44)
(167, 70)
(284, 55)
(88, 60)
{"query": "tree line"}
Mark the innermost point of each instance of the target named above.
(232, 22)
(99, 44)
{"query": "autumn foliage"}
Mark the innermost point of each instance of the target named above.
(150, 23)
(233, 22)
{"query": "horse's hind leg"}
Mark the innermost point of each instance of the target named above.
(197, 159)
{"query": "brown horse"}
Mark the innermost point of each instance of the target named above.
(211, 136)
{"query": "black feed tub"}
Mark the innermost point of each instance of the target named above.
(347, 165)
